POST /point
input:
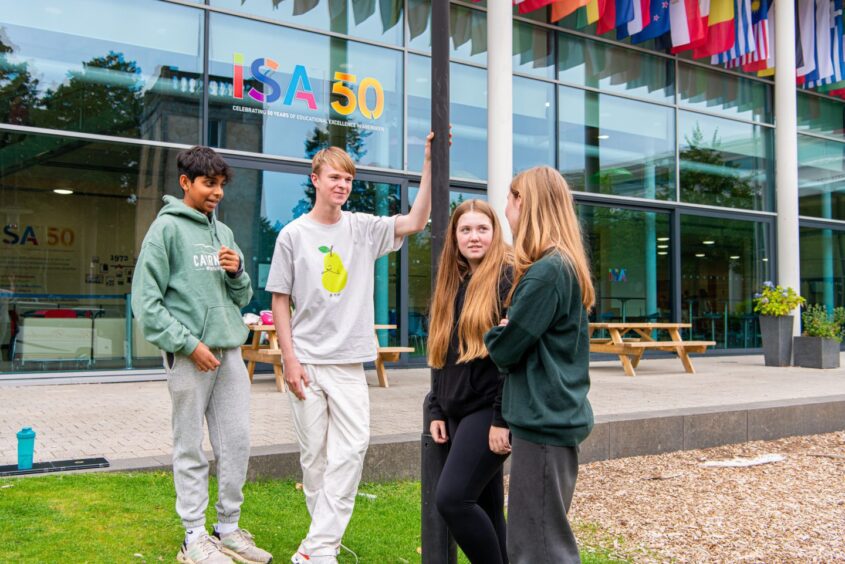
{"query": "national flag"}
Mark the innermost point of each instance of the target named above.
(595, 8)
(743, 35)
(616, 13)
(806, 18)
(526, 6)
(641, 19)
(752, 62)
(835, 51)
(720, 29)
(562, 8)
(824, 64)
(658, 24)
(687, 25)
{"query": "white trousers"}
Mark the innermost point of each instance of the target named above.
(332, 425)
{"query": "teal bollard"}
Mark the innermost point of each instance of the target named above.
(26, 448)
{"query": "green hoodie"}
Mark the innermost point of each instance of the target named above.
(180, 294)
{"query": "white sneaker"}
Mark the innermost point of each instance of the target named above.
(300, 557)
(203, 550)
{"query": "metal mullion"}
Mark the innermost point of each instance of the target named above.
(675, 266)
(723, 116)
(206, 61)
(820, 136)
(821, 223)
(677, 115)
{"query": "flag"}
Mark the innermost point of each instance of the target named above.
(687, 25)
(658, 24)
(526, 6)
(562, 8)
(595, 8)
(806, 27)
(743, 35)
(752, 62)
(824, 64)
(834, 52)
(616, 13)
(641, 19)
(720, 29)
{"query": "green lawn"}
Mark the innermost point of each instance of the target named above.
(117, 517)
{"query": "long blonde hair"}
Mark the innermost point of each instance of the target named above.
(481, 309)
(547, 220)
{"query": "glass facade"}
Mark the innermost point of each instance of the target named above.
(664, 154)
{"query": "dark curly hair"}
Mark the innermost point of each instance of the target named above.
(202, 161)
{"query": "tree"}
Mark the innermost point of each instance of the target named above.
(18, 91)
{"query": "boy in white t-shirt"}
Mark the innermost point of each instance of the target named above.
(324, 263)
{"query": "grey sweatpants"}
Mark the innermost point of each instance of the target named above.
(542, 482)
(220, 397)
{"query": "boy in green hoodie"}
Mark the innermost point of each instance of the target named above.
(188, 288)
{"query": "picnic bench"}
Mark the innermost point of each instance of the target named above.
(630, 349)
(270, 353)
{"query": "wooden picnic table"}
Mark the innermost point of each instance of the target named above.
(271, 354)
(630, 349)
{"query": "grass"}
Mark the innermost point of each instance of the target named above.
(120, 517)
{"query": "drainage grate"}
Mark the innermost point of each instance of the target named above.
(57, 466)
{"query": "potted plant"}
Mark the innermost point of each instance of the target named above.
(818, 345)
(774, 304)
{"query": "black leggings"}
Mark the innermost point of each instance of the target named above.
(470, 495)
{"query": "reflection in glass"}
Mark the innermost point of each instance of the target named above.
(821, 115)
(821, 178)
(616, 146)
(74, 214)
(708, 90)
(533, 50)
(419, 275)
(79, 67)
(368, 19)
(725, 163)
(723, 263)
(630, 261)
(533, 123)
(822, 259)
(584, 62)
(468, 29)
(330, 92)
(258, 204)
(468, 114)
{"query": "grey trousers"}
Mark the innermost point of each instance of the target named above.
(220, 397)
(542, 482)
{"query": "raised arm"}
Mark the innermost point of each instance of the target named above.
(417, 217)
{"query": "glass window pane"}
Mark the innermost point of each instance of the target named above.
(714, 91)
(380, 21)
(468, 113)
(345, 94)
(725, 163)
(468, 28)
(79, 67)
(821, 178)
(822, 259)
(75, 213)
(276, 199)
(630, 261)
(616, 146)
(533, 123)
(821, 115)
(533, 50)
(419, 274)
(584, 62)
(723, 263)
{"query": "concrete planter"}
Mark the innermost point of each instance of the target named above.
(777, 339)
(816, 352)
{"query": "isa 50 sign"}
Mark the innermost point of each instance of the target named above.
(365, 95)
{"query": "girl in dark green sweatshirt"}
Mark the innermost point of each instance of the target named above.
(543, 347)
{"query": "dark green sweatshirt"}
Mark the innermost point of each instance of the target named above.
(545, 352)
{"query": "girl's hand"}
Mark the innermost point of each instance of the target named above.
(500, 441)
(503, 322)
(438, 432)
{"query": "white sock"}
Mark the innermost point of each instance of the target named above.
(193, 534)
(225, 528)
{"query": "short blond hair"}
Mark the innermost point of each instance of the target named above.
(334, 157)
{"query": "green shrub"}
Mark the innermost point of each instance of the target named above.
(776, 301)
(818, 323)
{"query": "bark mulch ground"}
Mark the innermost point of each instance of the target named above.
(672, 507)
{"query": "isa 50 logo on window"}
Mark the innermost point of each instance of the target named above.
(365, 96)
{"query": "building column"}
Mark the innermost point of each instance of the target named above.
(499, 107)
(786, 153)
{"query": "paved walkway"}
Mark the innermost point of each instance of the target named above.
(132, 419)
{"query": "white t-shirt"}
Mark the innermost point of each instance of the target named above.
(328, 272)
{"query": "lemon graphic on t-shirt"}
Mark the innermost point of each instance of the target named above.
(334, 273)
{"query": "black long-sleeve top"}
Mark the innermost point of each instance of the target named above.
(463, 388)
